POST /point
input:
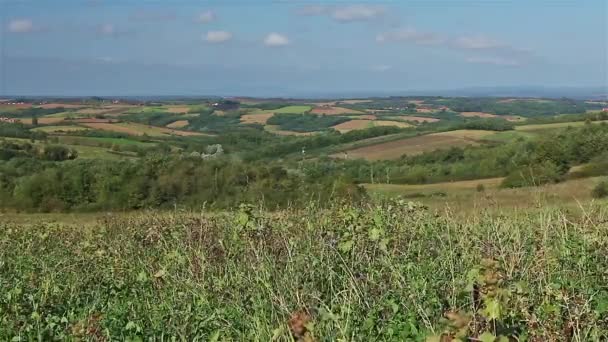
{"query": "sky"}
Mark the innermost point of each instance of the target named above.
(298, 47)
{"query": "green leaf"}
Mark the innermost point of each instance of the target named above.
(215, 337)
(492, 308)
(346, 246)
(142, 277)
(487, 337)
(374, 234)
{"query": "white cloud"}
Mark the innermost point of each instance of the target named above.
(150, 15)
(217, 36)
(410, 35)
(276, 39)
(106, 29)
(478, 42)
(345, 13)
(313, 10)
(206, 17)
(20, 26)
(501, 61)
(357, 13)
(381, 68)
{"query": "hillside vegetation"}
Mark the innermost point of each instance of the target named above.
(391, 272)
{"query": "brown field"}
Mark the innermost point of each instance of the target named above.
(354, 101)
(59, 105)
(95, 120)
(425, 110)
(334, 111)
(15, 106)
(178, 124)
(418, 118)
(352, 125)
(513, 118)
(489, 115)
(391, 123)
(417, 145)
(319, 104)
(178, 109)
(256, 118)
(416, 102)
(42, 121)
(139, 129)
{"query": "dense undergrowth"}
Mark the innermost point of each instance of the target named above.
(392, 272)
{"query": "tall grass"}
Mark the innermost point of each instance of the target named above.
(379, 272)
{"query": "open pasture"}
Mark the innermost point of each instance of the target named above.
(293, 110)
(464, 196)
(550, 126)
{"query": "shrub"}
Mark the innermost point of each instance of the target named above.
(600, 190)
(533, 175)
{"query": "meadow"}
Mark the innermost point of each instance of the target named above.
(392, 272)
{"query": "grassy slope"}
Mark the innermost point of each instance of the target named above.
(463, 196)
(385, 273)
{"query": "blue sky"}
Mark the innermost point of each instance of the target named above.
(297, 47)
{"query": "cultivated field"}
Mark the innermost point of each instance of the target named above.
(178, 124)
(334, 111)
(419, 119)
(42, 120)
(293, 110)
(59, 129)
(260, 118)
(363, 124)
(139, 129)
(417, 145)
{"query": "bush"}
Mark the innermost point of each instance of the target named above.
(534, 175)
(600, 190)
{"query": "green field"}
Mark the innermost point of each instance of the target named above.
(551, 126)
(467, 197)
(292, 110)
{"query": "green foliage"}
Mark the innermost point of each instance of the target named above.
(18, 130)
(390, 272)
(523, 107)
(160, 182)
(600, 190)
(493, 124)
(305, 122)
